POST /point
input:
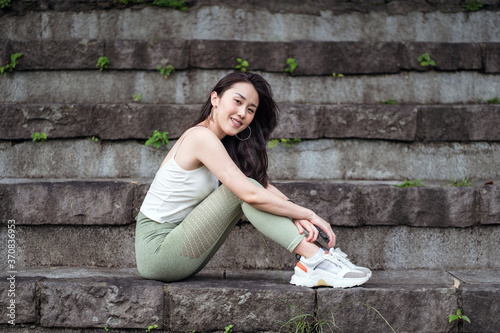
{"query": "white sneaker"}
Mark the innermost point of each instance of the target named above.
(327, 270)
(343, 257)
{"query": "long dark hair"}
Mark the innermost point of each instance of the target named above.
(249, 155)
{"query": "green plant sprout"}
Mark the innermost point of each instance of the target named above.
(137, 98)
(306, 323)
(166, 71)
(337, 74)
(494, 100)
(158, 139)
(4, 3)
(13, 62)
(175, 4)
(42, 137)
(461, 183)
(151, 327)
(410, 183)
(292, 64)
(228, 329)
(243, 64)
(103, 63)
(389, 101)
(95, 139)
(458, 316)
(426, 61)
(473, 5)
(285, 142)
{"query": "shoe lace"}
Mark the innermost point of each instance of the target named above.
(341, 256)
(335, 258)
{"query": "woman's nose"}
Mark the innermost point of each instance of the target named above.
(241, 112)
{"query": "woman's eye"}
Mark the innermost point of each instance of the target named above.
(238, 101)
(251, 110)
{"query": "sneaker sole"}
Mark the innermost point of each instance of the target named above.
(327, 282)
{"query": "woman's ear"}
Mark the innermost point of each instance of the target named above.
(214, 98)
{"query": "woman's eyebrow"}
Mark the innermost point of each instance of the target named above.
(244, 98)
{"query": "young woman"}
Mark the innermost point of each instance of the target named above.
(186, 215)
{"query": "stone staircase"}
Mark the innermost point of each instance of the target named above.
(433, 249)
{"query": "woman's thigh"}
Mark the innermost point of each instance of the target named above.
(185, 250)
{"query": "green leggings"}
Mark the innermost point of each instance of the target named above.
(172, 252)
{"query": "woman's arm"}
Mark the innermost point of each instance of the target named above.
(209, 150)
(301, 225)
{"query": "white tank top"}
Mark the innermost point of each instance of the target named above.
(174, 191)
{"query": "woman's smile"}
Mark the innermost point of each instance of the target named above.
(236, 123)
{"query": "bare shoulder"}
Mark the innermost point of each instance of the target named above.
(202, 135)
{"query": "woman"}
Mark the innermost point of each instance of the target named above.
(186, 215)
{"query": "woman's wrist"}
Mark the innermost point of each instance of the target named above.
(310, 214)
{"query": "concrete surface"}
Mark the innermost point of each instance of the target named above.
(314, 58)
(309, 159)
(241, 23)
(194, 86)
(478, 122)
(101, 202)
(377, 247)
(250, 300)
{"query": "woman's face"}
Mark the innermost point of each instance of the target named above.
(235, 109)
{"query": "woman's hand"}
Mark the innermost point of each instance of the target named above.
(309, 227)
(325, 226)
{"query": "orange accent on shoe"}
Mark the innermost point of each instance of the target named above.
(326, 252)
(301, 266)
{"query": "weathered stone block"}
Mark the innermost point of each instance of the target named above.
(458, 123)
(448, 56)
(492, 58)
(56, 120)
(4, 52)
(58, 54)
(364, 309)
(75, 246)
(125, 121)
(248, 305)
(325, 58)
(299, 121)
(100, 302)
(335, 202)
(140, 54)
(390, 122)
(481, 303)
(265, 56)
(25, 299)
(401, 247)
(68, 202)
(140, 191)
(489, 204)
(105, 121)
(423, 207)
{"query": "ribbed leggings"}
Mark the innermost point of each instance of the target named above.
(172, 252)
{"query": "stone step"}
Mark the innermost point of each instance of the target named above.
(379, 225)
(309, 159)
(192, 87)
(291, 7)
(88, 299)
(365, 121)
(314, 58)
(257, 21)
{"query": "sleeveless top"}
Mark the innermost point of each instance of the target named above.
(174, 191)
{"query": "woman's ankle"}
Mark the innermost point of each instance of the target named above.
(306, 249)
